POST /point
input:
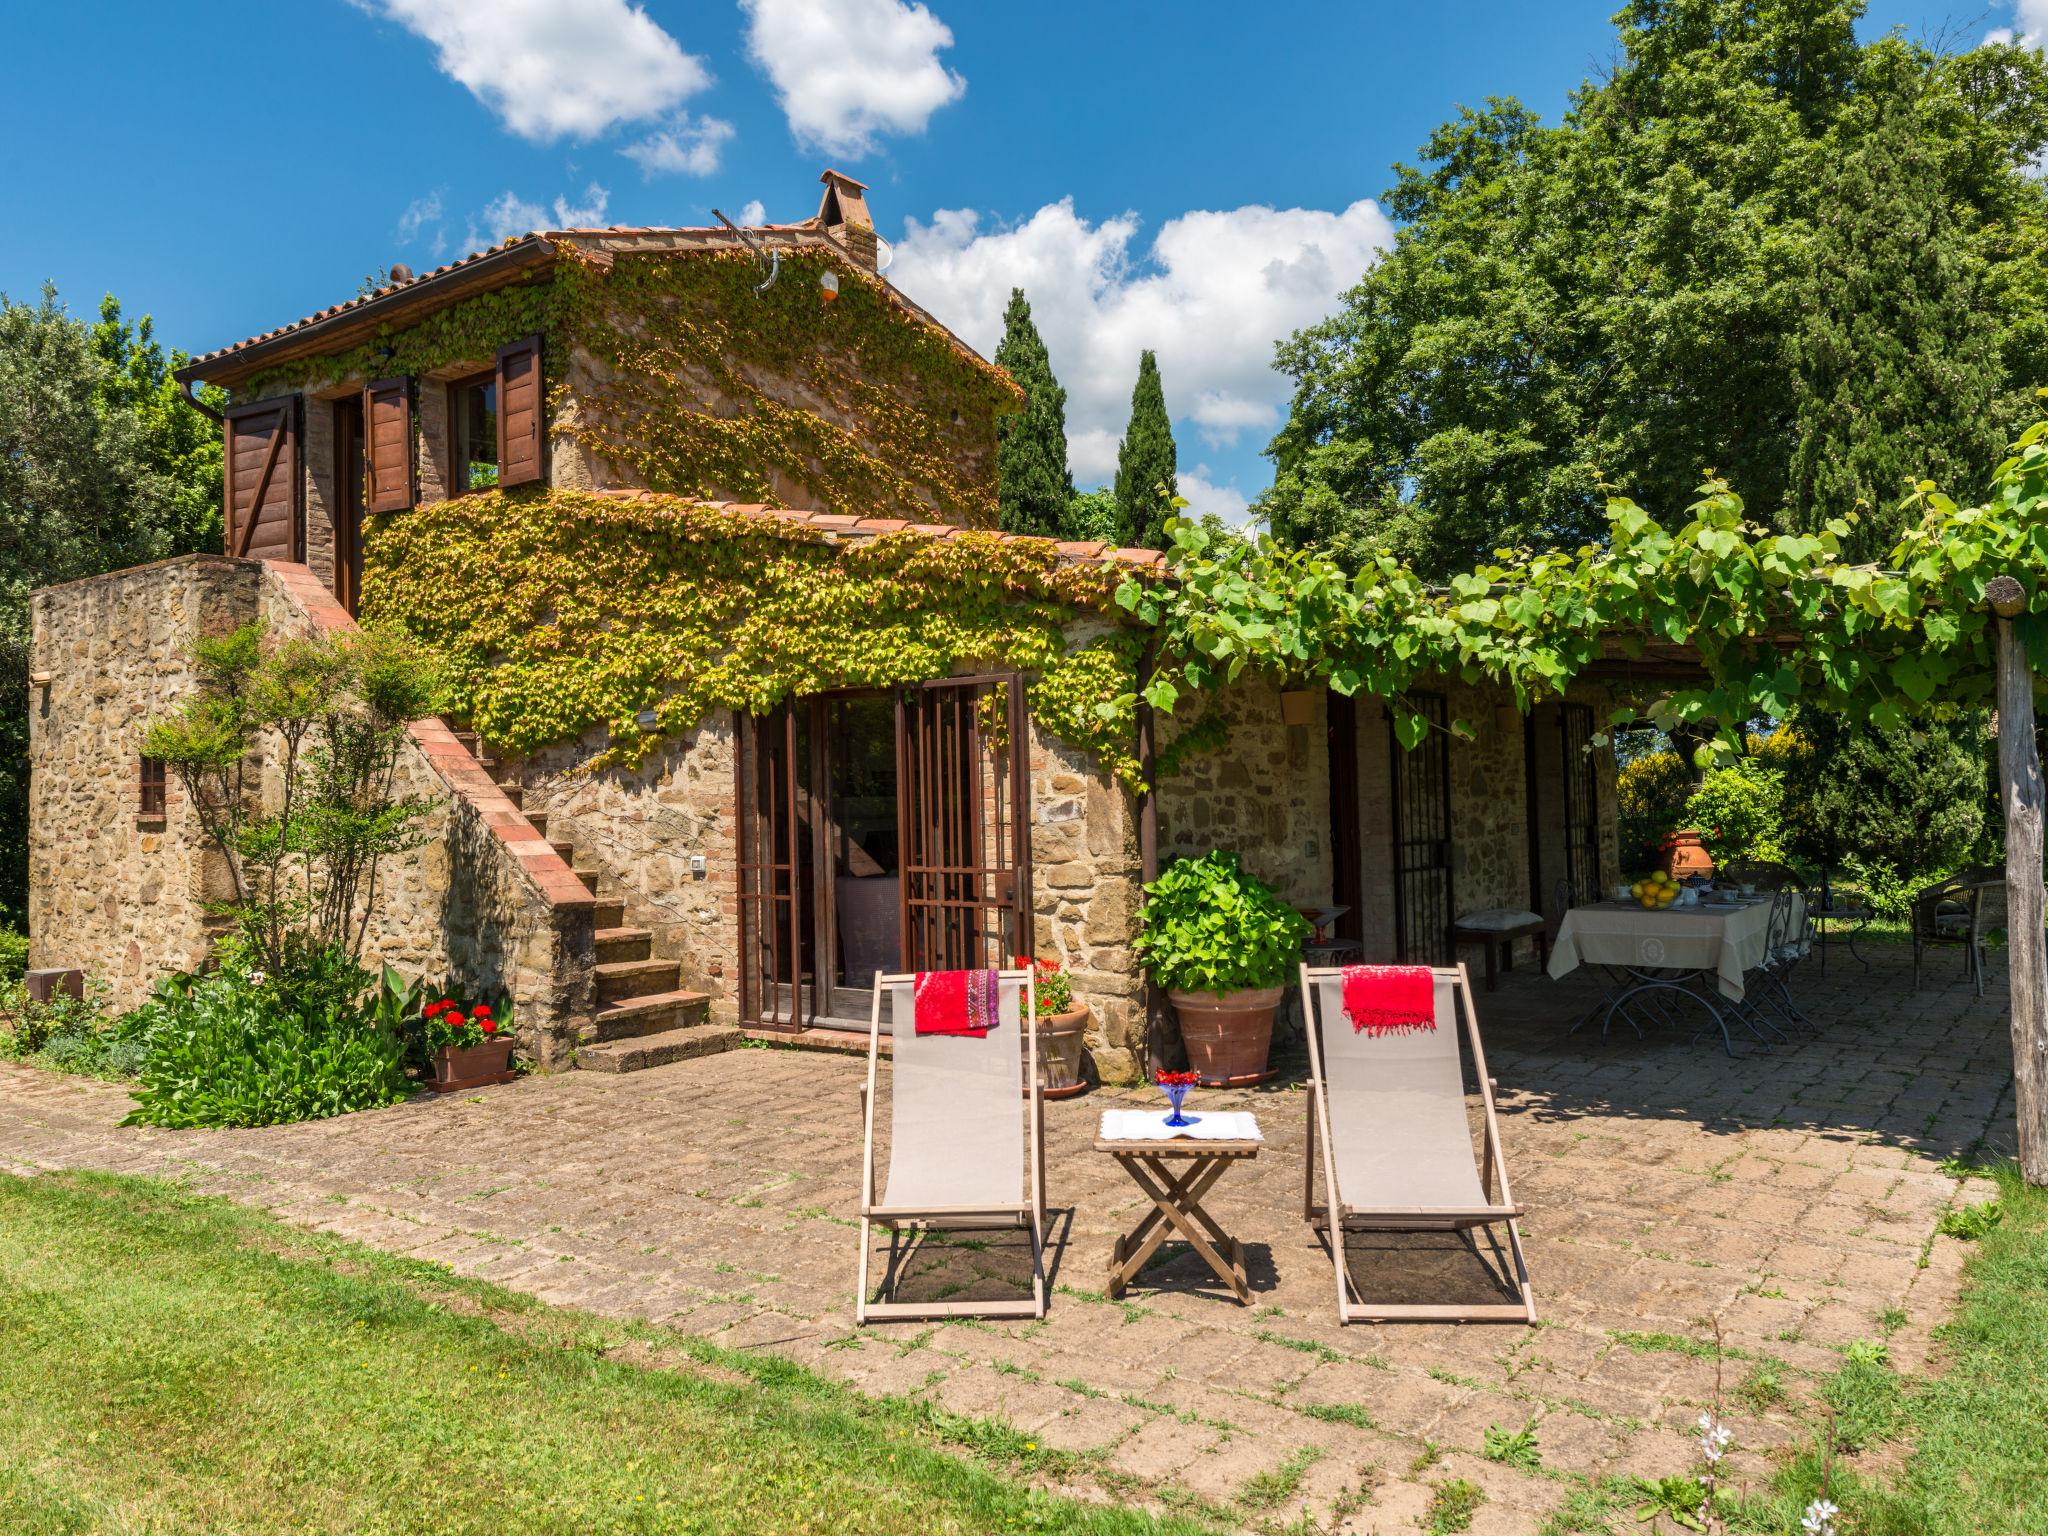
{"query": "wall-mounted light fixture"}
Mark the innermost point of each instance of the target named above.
(647, 720)
(829, 286)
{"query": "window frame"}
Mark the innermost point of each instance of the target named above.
(459, 446)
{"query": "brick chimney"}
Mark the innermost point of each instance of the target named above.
(844, 214)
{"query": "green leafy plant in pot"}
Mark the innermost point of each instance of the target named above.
(1222, 943)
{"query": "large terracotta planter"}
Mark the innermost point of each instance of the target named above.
(1298, 706)
(1685, 853)
(476, 1066)
(1229, 1035)
(1060, 1036)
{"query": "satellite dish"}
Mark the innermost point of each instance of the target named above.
(885, 253)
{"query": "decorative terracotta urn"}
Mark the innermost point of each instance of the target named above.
(1060, 1037)
(1228, 1035)
(1298, 706)
(457, 1068)
(1685, 853)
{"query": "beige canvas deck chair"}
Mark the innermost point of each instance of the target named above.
(1388, 1124)
(966, 1148)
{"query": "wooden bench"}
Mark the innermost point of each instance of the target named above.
(1496, 932)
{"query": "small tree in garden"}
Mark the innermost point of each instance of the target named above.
(328, 719)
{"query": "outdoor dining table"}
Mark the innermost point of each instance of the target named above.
(1653, 957)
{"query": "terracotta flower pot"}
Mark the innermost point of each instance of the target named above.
(1060, 1036)
(1228, 1035)
(1298, 706)
(1685, 853)
(474, 1066)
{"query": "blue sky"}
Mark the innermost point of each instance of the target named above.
(1194, 177)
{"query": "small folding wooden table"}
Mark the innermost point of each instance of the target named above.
(1177, 1193)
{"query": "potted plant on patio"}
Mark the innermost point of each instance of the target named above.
(1061, 1027)
(1222, 943)
(469, 1047)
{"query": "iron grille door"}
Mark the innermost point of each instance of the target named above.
(963, 796)
(1422, 836)
(1581, 802)
(770, 897)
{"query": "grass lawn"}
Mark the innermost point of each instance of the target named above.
(173, 1363)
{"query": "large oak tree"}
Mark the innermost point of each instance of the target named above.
(1813, 264)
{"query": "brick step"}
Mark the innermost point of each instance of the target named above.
(514, 792)
(538, 820)
(609, 914)
(651, 1013)
(566, 852)
(621, 979)
(616, 943)
(657, 1050)
(590, 879)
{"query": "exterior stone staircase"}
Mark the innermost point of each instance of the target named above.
(643, 1016)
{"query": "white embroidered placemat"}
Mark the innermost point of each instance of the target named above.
(1150, 1125)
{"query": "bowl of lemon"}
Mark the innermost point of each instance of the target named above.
(1655, 892)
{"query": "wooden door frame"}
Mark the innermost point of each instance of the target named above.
(350, 465)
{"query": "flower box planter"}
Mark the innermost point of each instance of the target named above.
(460, 1067)
(1060, 1038)
(1228, 1035)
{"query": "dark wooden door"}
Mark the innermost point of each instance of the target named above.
(963, 805)
(348, 502)
(771, 916)
(1423, 901)
(1581, 802)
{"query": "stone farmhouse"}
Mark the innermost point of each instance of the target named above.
(754, 702)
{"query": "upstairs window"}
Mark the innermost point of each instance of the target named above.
(473, 407)
(151, 790)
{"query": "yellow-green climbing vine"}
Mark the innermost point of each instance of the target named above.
(695, 383)
(556, 612)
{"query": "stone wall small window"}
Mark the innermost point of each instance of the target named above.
(473, 418)
(152, 788)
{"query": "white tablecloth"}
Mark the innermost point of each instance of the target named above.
(1150, 1125)
(1727, 940)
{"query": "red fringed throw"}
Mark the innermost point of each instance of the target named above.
(957, 1002)
(1389, 999)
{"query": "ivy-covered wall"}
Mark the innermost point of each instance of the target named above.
(670, 371)
(557, 613)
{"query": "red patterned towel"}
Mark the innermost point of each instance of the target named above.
(1389, 999)
(957, 1002)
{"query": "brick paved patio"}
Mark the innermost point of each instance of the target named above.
(1792, 1197)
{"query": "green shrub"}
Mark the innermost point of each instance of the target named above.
(1208, 926)
(1739, 811)
(243, 1047)
(1914, 801)
(13, 954)
(66, 1034)
(1652, 790)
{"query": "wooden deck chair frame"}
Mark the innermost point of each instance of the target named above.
(1493, 1182)
(1029, 1214)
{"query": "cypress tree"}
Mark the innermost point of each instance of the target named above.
(1146, 482)
(1033, 483)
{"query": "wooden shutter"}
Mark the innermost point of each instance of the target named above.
(260, 485)
(519, 412)
(387, 444)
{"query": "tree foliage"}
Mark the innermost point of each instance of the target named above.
(101, 466)
(1757, 244)
(1914, 800)
(1033, 483)
(1147, 478)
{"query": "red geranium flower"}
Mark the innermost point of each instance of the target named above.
(490, 1025)
(480, 1011)
(454, 1020)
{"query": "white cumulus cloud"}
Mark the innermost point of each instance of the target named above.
(1203, 495)
(752, 212)
(685, 146)
(508, 214)
(849, 71)
(2030, 25)
(554, 68)
(1210, 294)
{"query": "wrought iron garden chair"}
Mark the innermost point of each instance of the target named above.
(1945, 916)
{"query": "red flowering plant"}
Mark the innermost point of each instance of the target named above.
(1176, 1079)
(1055, 993)
(451, 1024)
